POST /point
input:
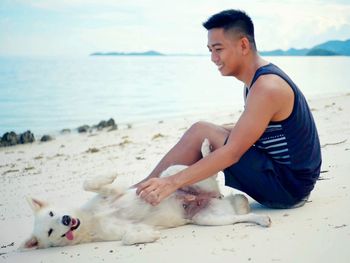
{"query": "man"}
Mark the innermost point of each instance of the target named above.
(272, 153)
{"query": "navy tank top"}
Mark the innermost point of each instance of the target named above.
(293, 142)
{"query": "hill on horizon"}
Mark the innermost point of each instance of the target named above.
(329, 48)
(147, 53)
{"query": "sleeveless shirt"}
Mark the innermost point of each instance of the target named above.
(293, 142)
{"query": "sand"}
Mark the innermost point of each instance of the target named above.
(54, 171)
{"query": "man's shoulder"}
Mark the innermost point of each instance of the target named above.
(270, 81)
(272, 85)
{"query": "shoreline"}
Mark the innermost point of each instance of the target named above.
(141, 122)
(55, 171)
(138, 121)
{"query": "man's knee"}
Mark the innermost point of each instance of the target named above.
(199, 128)
(200, 125)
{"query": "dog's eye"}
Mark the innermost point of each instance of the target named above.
(51, 214)
(50, 232)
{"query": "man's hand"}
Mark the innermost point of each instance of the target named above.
(155, 190)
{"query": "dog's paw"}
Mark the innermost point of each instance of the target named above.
(140, 237)
(97, 182)
(264, 220)
(108, 179)
(205, 149)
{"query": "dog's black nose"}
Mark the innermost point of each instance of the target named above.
(66, 220)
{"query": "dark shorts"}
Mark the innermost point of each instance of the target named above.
(257, 175)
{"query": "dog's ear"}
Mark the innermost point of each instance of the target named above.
(30, 243)
(35, 204)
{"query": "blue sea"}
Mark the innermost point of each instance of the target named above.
(46, 95)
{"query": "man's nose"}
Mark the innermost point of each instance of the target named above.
(214, 57)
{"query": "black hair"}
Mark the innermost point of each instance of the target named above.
(231, 19)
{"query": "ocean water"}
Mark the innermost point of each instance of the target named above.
(46, 95)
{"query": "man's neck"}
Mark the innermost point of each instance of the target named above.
(249, 68)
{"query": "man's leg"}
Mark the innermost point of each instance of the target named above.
(188, 150)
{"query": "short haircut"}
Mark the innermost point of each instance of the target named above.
(233, 20)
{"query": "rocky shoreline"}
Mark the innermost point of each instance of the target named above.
(11, 138)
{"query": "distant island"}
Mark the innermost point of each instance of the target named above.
(329, 48)
(147, 53)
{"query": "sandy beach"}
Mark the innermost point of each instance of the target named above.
(54, 171)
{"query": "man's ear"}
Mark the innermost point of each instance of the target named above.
(245, 45)
(35, 204)
(30, 243)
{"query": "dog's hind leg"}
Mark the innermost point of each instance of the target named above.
(240, 203)
(205, 149)
(141, 233)
(221, 212)
(210, 184)
(226, 219)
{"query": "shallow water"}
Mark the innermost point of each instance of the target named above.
(48, 94)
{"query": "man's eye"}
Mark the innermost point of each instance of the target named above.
(51, 214)
(50, 232)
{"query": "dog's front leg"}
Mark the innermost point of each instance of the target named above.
(138, 234)
(103, 186)
(110, 230)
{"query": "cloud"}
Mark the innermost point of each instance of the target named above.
(292, 24)
(103, 25)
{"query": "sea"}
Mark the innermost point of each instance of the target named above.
(48, 94)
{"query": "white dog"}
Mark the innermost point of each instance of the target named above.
(119, 214)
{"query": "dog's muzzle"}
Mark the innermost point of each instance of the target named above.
(73, 223)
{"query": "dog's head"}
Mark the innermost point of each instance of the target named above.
(52, 227)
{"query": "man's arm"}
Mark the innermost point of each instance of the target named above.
(263, 102)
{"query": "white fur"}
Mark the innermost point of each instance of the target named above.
(119, 214)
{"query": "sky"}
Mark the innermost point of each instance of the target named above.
(80, 27)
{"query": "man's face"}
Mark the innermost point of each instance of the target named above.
(225, 51)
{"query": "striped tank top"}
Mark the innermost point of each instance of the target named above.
(293, 142)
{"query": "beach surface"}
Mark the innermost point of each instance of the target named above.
(55, 171)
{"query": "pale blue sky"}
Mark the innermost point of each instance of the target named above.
(79, 27)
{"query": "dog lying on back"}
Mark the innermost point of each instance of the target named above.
(117, 213)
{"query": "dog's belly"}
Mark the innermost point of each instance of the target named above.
(176, 210)
(169, 213)
(131, 208)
